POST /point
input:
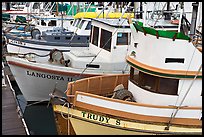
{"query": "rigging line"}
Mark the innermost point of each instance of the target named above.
(101, 49)
(177, 109)
(78, 26)
(62, 112)
(37, 102)
(70, 9)
(184, 80)
(98, 52)
(110, 9)
(102, 10)
(159, 15)
(10, 54)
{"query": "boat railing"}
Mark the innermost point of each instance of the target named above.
(99, 85)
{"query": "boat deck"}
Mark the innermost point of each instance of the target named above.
(12, 123)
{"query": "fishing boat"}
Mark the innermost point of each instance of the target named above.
(162, 94)
(21, 10)
(47, 36)
(108, 47)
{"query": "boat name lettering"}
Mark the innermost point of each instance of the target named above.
(98, 118)
(48, 76)
(18, 42)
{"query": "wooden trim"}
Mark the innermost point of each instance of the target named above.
(129, 124)
(200, 49)
(144, 118)
(174, 37)
(132, 103)
(49, 70)
(162, 72)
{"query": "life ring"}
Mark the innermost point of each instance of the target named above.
(176, 22)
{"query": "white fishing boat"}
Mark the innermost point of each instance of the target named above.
(162, 95)
(110, 39)
(47, 36)
(22, 9)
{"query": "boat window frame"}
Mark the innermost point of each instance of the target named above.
(74, 23)
(79, 20)
(57, 38)
(81, 24)
(88, 26)
(118, 43)
(105, 43)
(95, 36)
(139, 78)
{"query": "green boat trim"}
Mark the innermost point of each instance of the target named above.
(160, 33)
(160, 74)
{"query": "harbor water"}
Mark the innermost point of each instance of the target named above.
(39, 117)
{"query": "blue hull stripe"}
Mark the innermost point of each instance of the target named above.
(48, 43)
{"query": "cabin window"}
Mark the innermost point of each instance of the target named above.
(57, 38)
(174, 60)
(153, 83)
(67, 38)
(77, 25)
(92, 66)
(105, 42)
(95, 35)
(27, 4)
(169, 86)
(82, 22)
(88, 27)
(52, 23)
(43, 23)
(75, 21)
(122, 38)
(36, 5)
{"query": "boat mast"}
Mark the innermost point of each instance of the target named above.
(62, 18)
(136, 6)
(181, 14)
(194, 19)
(168, 14)
(125, 10)
(7, 6)
(145, 14)
(56, 8)
(141, 10)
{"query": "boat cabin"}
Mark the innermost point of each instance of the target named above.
(109, 42)
(81, 26)
(57, 34)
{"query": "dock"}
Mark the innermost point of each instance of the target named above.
(12, 120)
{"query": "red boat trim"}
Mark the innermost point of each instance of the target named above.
(49, 70)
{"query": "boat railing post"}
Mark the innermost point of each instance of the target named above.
(3, 76)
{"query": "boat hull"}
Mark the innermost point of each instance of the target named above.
(37, 85)
(84, 122)
(37, 80)
(16, 45)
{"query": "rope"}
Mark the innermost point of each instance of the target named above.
(23, 55)
(97, 53)
(78, 26)
(172, 116)
(177, 109)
